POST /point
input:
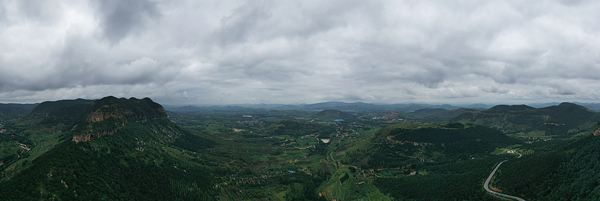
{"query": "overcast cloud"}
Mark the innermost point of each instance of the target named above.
(228, 52)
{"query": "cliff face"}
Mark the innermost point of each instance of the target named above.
(92, 136)
(100, 116)
(106, 116)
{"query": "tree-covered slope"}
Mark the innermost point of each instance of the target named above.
(294, 128)
(448, 114)
(55, 110)
(421, 113)
(14, 111)
(555, 170)
(329, 113)
(402, 144)
(565, 119)
(431, 161)
(142, 158)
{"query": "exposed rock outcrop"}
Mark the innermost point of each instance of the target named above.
(92, 136)
(106, 116)
(99, 116)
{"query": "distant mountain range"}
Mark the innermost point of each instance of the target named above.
(354, 107)
(14, 111)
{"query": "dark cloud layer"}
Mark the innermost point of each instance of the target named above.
(220, 52)
(120, 18)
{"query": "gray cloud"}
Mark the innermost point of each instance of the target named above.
(218, 52)
(120, 18)
(243, 21)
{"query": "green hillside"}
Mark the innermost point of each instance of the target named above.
(448, 161)
(10, 112)
(128, 149)
(563, 120)
(554, 170)
(402, 144)
(51, 116)
(426, 112)
(329, 113)
(449, 114)
(45, 109)
(142, 157)
(294, 128)
(439, 115)
(395, 115)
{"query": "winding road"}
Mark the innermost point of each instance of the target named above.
(487, 183)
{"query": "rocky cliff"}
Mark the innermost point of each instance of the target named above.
(106, 116)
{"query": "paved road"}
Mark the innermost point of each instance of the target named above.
(520, 155)
(487, 183)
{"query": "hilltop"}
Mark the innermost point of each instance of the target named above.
(107, 115)
(330, 113)
(107, 149)
(399, 144)
(438, 114)
(52, 113)
(563, 120)
(448, 114)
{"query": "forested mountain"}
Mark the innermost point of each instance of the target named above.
(438, 114)
(402, 144)
(329, 113)
(300, 129)
(114, 149)
(563, 120)
(426, 112)
(395, 115)
(52, 112)
(448, 161)
(14, 111)
(555, 170)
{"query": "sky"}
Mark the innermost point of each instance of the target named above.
(181, 52)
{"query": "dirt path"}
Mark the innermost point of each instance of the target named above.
(334, 161)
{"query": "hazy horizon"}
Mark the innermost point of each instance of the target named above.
(333, 101)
